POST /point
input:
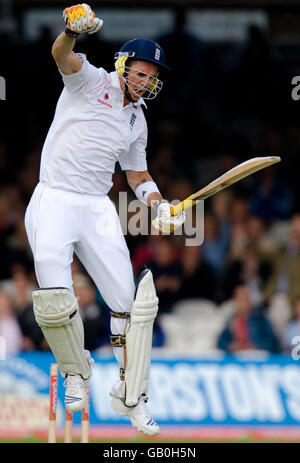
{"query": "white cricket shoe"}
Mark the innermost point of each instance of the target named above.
(76, 395)
(139, 415)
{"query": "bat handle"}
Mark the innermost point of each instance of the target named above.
(183, 206)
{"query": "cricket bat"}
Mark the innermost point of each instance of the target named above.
(233, 175)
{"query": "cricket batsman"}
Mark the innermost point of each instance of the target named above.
(98, 121)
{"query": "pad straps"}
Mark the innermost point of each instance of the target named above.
(119, 340)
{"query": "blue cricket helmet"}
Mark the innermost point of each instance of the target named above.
(145, 50)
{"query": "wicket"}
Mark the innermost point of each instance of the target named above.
(68, 414)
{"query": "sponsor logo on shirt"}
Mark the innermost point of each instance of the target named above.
(132, 120)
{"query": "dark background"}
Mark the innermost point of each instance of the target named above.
(224, 102)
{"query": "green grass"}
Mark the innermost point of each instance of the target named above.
(245, 439)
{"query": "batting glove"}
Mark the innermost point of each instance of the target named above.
(81, 18)
(166, 222)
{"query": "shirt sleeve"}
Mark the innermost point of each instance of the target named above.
(88, 78)
(135, 159)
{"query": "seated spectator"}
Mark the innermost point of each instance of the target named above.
(17, 244)
(95, 334)
(252, 233)
(238, 242)
(167, 272)
(239, 211)
(143, 254)
(216, 243)
(9, 327)
(198, 280)
(286, 273)
(6, 215)
(158, 339)
(76, 266)
(248, 270)
(292, 329)
(220, 207)
(238, 216)
(271, 198)
(20, 290)
(179, 189)
(248, 328)
(7, 223)
(258, 239)
(19, 287)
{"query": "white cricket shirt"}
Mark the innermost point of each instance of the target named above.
(91, 131)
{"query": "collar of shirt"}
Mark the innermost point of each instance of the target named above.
(115, 82)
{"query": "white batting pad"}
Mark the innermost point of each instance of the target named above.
(56, 312)
(139, 340)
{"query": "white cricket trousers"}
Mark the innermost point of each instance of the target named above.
(59, 223)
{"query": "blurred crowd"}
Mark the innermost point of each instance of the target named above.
(222, 104)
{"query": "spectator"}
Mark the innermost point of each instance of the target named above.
(76, 266)
(19, 288)
(239, 211)
(271, 198)
(180, 189)
(221, 204)
(198, 280)
(143, 253)
(6, 214)
(251, 233)
(249, 241)
(167, 272)
(238, 242)
(159, 337)
(216, 243)
(17, 244)
(95, 334)
(282, 287)
(163, 162)
(248, 270)
(259, 241)
(6, 228)
(9, 327)
(248, 328)
(292, 329)
(226, 127)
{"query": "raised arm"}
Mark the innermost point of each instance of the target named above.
(78, 19)
(62, 51)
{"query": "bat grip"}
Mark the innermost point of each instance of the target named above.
(183, 206)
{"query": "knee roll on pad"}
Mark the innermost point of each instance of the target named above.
(56, 312)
